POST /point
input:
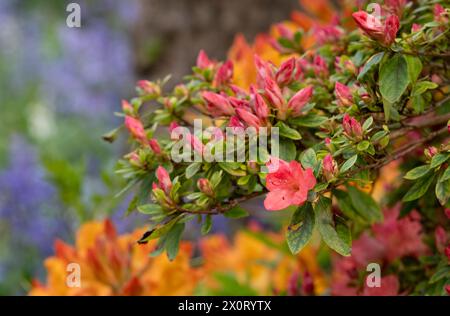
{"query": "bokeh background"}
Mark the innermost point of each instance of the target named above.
(59, 87)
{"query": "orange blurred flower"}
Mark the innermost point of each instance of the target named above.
(112, 264)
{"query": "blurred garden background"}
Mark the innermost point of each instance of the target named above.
(59, 87)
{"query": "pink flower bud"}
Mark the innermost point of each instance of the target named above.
(235, 123)
(392, 26)
(284, 31)
(238, 91)
(135, 128)
(217, 104)
(284, 75)
(223, 74)
(441, 238)
(173, 125)
(205, 186)
(195, 143)
(352, 127)
(320, 66)
(328, 142)
(430, 152)
(164, 179)
(260, 106)
(252, 167)
(127, 108)
(439, 13)
(239, 103)
(343, 94)
(249, 118)
(299, 100)
(203, 60)
(149, 88)
(416, 27)
(330, 168)
(273, 93)
(447, 212)
(263, 70)
(369, 24)
(154, 145)
(134, 159)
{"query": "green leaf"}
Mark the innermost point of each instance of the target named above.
(308, 158)
(230, 168)
(418, 189)
(362, 146)
(394, 78)
(438, 160)
(370, 65)
(422, 86)
(236, 212)
(348, 164)
(345, 204)
(443, 191)
(417, 173)
(309, 120)
(365, 205)
(150, 209)
(207, 224)
(325, 225)
(172, 241)
(288, 132)
(343, 231)
(192, 169)
(301, 228)
(288, 151)
(445, 176)
(443, 271)
(414, 67)
(367, 123)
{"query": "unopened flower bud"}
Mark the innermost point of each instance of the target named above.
(181, 91)
(352, 127)
(149, 88)
(252, 167)
(430, 152)
(343, 94)
(127, 108)
(330, 167)
(205, 186)
(441, 238)
(135, 128)
(154, 145)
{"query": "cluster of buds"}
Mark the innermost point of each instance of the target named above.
(382, 32)
(330, 168)
(352, 128)
(328, 33)
(223, 72)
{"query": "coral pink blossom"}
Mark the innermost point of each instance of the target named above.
(288, 185)
(400, 237)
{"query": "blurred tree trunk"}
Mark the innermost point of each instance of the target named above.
(170, 33)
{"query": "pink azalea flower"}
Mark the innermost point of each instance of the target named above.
(374, 28)
(288, 185)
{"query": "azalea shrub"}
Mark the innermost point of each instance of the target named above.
(356, 97)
